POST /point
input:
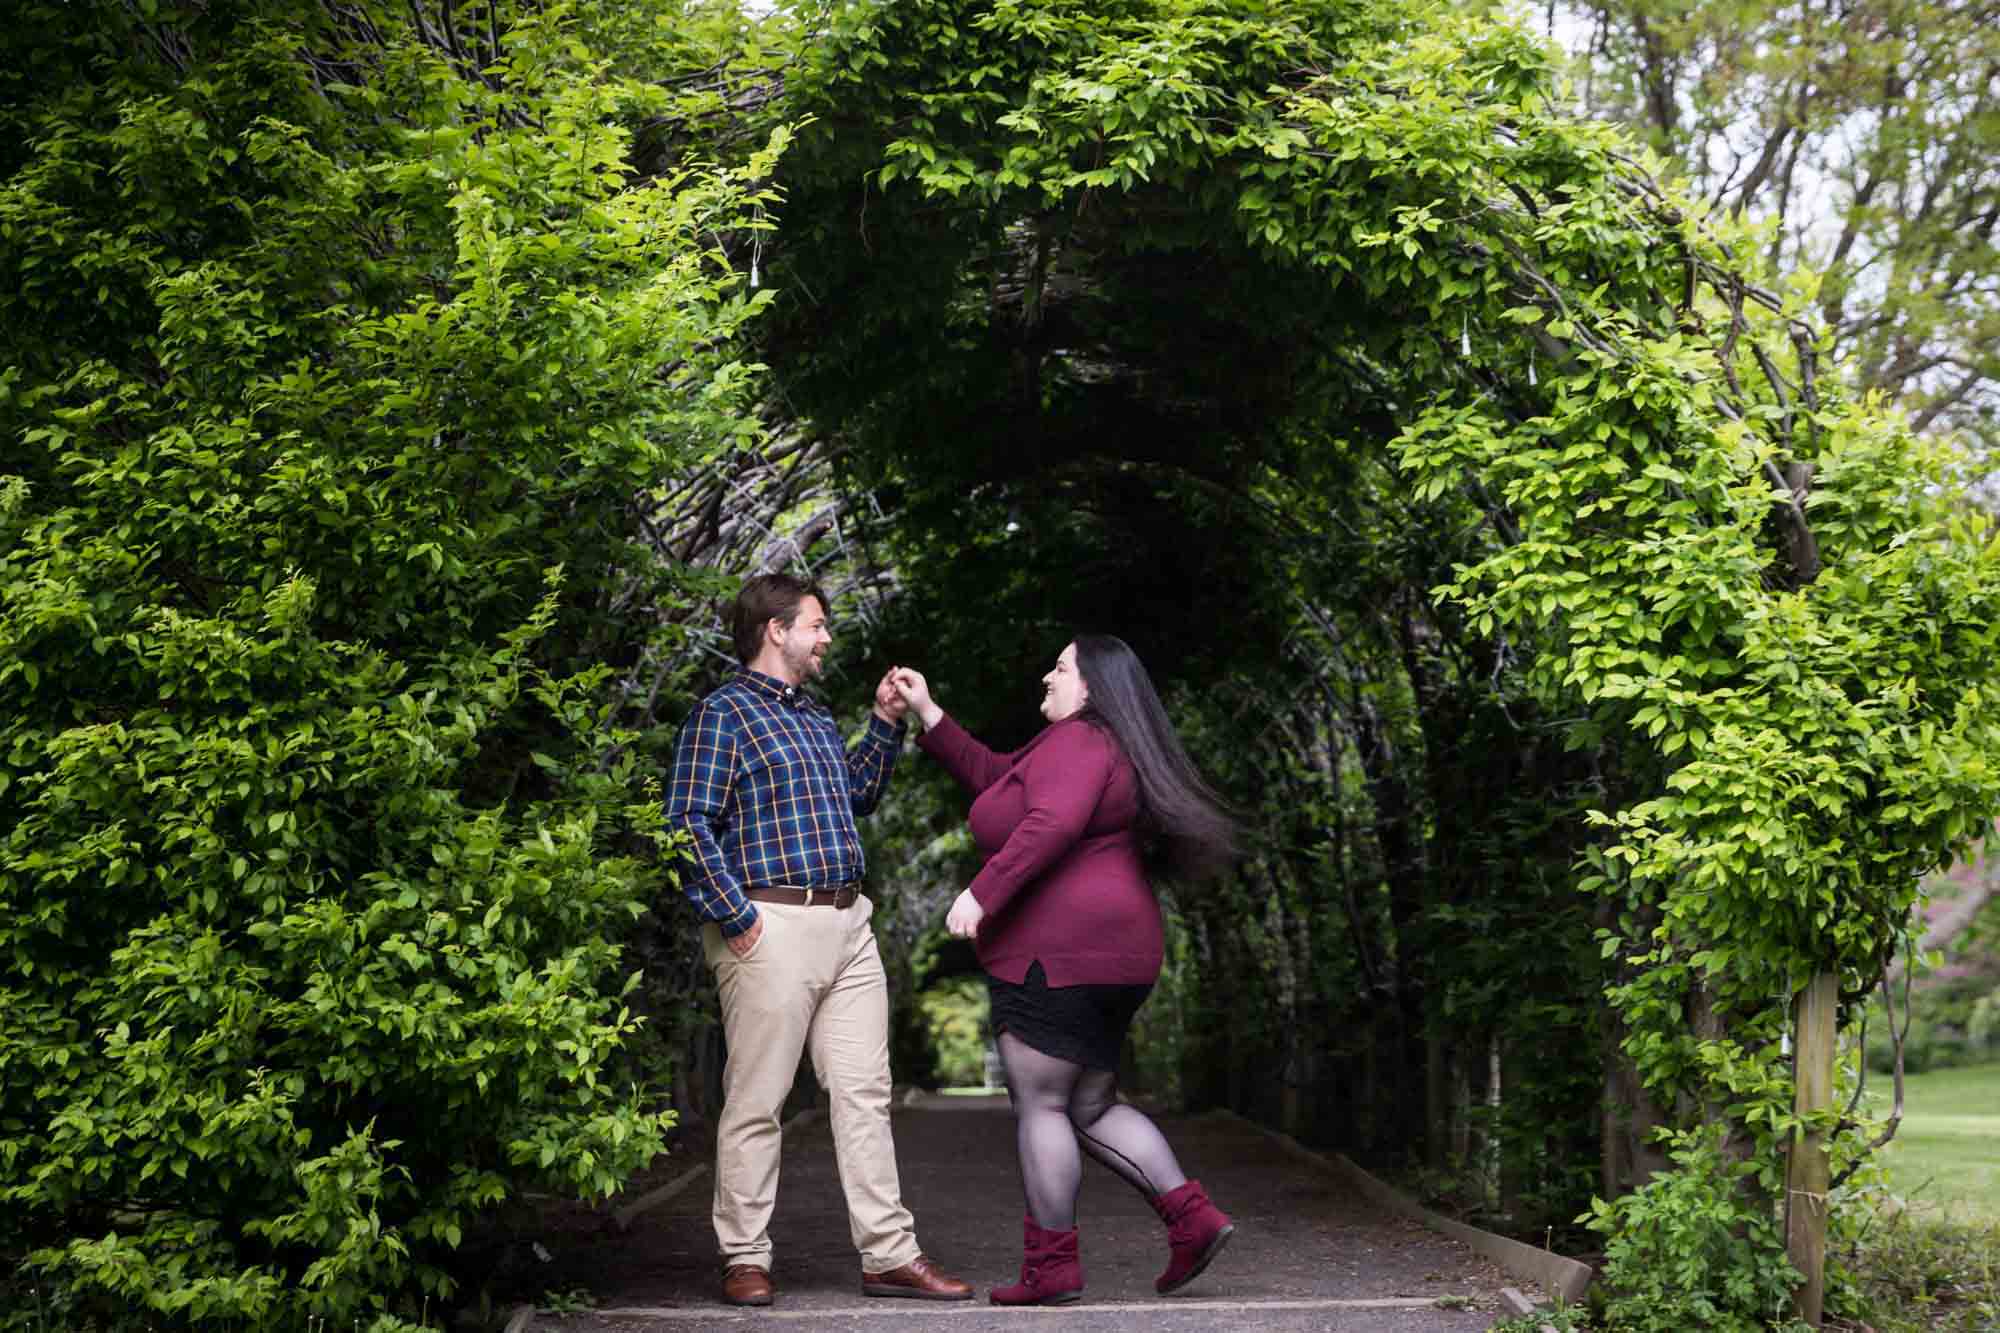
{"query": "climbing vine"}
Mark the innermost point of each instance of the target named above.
(1669, 541)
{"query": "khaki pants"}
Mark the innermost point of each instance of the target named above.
(814, 982)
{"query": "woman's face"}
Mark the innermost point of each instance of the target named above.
(1063, 690)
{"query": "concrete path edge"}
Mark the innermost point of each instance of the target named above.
(1564, 1279)
(1520, 1304)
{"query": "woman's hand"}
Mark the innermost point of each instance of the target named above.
(916, 692)
(965, 915)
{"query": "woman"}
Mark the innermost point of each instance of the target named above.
(1068, 930)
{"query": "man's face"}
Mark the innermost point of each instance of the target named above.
(804, 645)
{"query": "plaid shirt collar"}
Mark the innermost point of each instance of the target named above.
(776, 691)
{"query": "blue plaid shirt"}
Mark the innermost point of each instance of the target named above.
(760, 781)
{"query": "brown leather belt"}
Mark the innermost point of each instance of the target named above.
(836, 895)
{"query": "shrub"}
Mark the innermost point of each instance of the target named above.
(955, 1010)
(333, 359)
(1918, 1274)
(1694, 1248)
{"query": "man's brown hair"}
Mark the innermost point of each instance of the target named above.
(763, 599)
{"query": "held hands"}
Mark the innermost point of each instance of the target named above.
(915, 693)
(965, 915)
(890, 705)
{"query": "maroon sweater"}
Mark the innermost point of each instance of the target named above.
(1062, 881)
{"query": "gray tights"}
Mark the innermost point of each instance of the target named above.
(1062, 1110)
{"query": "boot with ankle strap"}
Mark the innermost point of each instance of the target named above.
(1051, 1272)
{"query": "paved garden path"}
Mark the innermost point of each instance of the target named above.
(1309, 1252)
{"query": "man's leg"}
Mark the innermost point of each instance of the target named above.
(766, 1010)
(850, 1050)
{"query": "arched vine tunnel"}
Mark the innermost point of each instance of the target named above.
(1112, 413)
(1250, 365)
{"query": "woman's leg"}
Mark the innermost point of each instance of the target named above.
(1122, 1137)
(1051, 1167)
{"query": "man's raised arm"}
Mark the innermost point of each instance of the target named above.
(872, 759)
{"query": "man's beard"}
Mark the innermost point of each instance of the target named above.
(802, 664)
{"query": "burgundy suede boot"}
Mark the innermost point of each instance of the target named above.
(1196, 1232)
(1051, 1274)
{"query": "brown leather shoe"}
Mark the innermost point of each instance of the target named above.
(919, 1278)
(746, 1284)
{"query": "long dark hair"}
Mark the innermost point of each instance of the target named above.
(1188, 830)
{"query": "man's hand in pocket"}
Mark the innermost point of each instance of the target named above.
(742, 944)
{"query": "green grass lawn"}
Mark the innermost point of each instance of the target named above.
(1946, 1156)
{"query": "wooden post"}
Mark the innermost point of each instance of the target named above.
(1806, 1167)
(1437, 1106)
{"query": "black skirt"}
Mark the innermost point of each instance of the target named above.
(1084, 1025)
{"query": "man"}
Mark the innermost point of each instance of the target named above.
(760, 782)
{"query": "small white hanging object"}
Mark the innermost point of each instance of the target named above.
(1531, 365)
(753, 269)
(1464, 337)
(1784, 1043)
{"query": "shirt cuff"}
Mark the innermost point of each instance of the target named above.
(987, 893)
(742, 921)
(888, 733)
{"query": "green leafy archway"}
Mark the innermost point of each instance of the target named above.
(1441, 455)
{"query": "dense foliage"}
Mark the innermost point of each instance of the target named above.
(1486, 509)
(1192, 277)
(336, 349)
